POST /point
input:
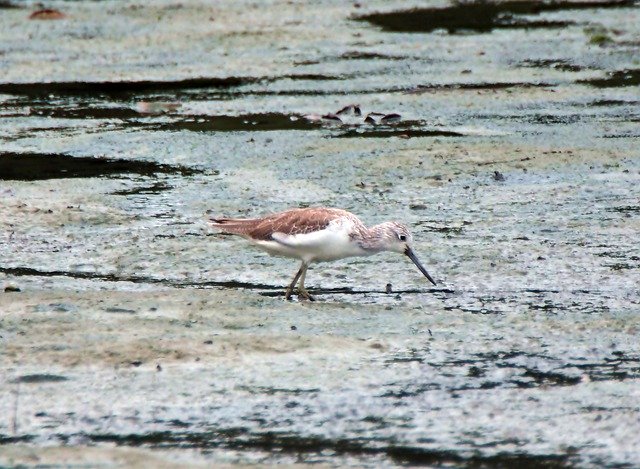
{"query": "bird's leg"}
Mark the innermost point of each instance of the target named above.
(287, 295)
(302, 292)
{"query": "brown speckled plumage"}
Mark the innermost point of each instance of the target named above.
(291, 222)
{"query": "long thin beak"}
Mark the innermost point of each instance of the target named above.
(412, 255)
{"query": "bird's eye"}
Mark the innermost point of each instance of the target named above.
(402, 237)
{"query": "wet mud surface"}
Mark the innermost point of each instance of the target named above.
(505, 135)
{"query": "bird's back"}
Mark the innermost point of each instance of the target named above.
(290, 222)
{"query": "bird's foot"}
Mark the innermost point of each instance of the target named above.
(287, 295)
(303, 294)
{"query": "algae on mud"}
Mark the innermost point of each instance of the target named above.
(136, 326)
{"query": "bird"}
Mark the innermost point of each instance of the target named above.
(319, 234)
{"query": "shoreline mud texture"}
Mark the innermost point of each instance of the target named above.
(130, 332)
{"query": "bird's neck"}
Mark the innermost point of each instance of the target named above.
(372, 239)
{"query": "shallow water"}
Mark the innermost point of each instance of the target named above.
(138, 334)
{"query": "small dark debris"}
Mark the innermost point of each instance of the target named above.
(355, 108)
(390, 118)
(136, 363)
(388, 289)
(40, 378)
(119, 310)
(47, 14)
(498, 176)
(208, 342)
(294, 328)
(158, 367)
(332, 118)
(11, 289)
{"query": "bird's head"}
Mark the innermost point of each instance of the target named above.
(396, 237)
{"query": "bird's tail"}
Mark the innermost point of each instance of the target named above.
(237, 226)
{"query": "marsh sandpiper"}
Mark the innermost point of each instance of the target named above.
(319, 234)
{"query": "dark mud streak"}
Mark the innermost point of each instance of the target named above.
(193, 123)
(550, 119)
(273, 442)
(81, 88)
(81, 111)
(476, 86)
(358, 55)
(43, 166)
(418, 456)
(616, 79)
(308, 77)
(279, 289)
(351, 291)
(542, 378)
(613, 103)
(314, 92)
(620, 367)
(27, 271)
(237, 94)
(557, 64)
(481, 17)
(386, 133)
(246, 123)
(153, 189)
(131, 88)
(11, 440)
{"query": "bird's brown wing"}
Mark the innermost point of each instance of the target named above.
(290, 222)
